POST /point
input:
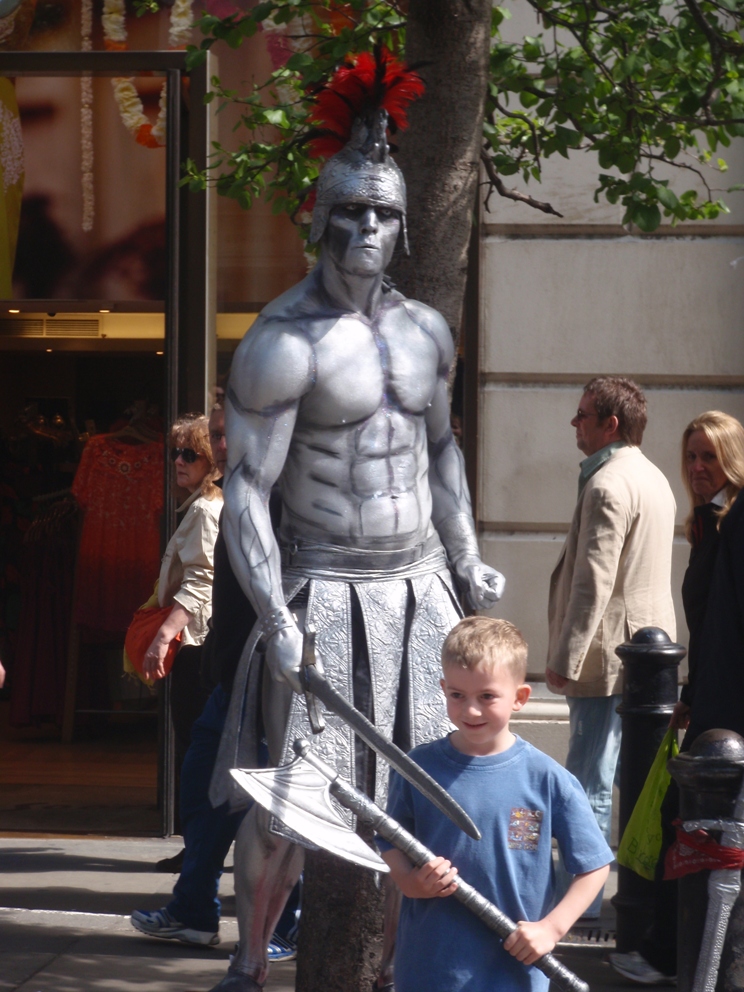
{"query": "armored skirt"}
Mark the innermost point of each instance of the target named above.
(379, 636)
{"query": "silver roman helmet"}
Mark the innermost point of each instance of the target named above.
(362, 172)
(368, 95)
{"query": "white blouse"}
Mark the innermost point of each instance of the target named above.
(187, 571)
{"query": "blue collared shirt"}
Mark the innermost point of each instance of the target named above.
(590, 465)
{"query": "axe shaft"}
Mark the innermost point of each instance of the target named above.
(388, 828)
(405, 766)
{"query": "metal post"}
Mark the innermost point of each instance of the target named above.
(709, 776)
(172, 315)
(650, 661)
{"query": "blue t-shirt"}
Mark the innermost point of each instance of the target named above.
(519, 800)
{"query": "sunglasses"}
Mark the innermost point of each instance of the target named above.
(188, 455)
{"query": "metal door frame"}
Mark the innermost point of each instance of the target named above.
(180, 391)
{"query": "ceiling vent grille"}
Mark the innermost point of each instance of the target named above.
(21, 327)
(71, 328)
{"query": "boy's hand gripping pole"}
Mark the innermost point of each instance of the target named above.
(388, 828)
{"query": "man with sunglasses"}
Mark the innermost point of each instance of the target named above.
(612, 578)
(339, 394)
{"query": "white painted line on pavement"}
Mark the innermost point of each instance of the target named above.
(60, 912)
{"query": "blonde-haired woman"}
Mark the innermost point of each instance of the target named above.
(186, 574)
(712, 595)
(713, 475)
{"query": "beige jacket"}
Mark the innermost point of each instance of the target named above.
(187, 571)
(613, 575)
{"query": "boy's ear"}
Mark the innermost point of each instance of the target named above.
(443, 685)
(523, 693)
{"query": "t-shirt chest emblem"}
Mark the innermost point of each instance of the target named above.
(524, 828)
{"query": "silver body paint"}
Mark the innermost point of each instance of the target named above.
(339, 394)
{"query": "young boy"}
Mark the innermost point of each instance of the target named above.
(519, 798)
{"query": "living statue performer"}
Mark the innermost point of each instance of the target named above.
(339, 394)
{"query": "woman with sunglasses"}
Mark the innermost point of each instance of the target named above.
(186, 574)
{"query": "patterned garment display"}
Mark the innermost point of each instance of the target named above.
(119, 485)
(11, 182)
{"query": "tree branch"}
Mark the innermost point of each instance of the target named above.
(526, 120)
(513, 194)
(677, 165)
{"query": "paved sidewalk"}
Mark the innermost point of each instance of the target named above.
(64, 923)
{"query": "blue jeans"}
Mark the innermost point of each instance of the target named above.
(593, 752)
(207, 832)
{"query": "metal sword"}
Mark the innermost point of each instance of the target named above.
(724, 885)
(299, 795)
(314, 684)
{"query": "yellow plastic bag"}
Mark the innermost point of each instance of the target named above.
(641, 842)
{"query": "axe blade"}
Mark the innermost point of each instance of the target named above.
(299, 796)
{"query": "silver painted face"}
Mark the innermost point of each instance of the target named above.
(360, 237)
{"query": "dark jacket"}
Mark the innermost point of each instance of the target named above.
(696, 585)
(718, 698)
(233, 615)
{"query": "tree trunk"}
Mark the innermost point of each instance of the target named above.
(439, 153)
(340, 927)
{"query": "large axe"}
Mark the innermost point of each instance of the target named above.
(299, 794)
(315, 685)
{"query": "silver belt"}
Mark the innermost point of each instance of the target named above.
(332, 558)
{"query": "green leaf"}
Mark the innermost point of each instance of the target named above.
(532, 48)
(261, 11)
(647, 217)
(672, 147)
(299, 61)
(626, 162)
(667, 198)
(276, 117)
(196, 57)
(606, 157)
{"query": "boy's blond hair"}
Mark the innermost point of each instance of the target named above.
(484, 642)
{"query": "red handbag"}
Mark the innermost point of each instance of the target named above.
(145, 624)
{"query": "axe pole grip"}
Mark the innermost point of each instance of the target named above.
(388, 828)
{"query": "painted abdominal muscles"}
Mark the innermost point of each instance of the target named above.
(359, 483)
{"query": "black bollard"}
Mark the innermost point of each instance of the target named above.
(650, 662)
(709, 776)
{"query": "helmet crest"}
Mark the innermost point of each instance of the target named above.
(353, 114)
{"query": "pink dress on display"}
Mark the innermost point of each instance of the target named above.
(119, 485)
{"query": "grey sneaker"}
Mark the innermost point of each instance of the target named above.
(161, 924)
(636, 968)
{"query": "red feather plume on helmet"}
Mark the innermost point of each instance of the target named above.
(365, 83)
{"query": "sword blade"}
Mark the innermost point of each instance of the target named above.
(724, 885)
(397, 759)
(723, 888)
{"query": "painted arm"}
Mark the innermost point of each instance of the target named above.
(270, 374)
(451, 511)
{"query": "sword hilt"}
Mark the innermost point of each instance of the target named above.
(310, 660)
